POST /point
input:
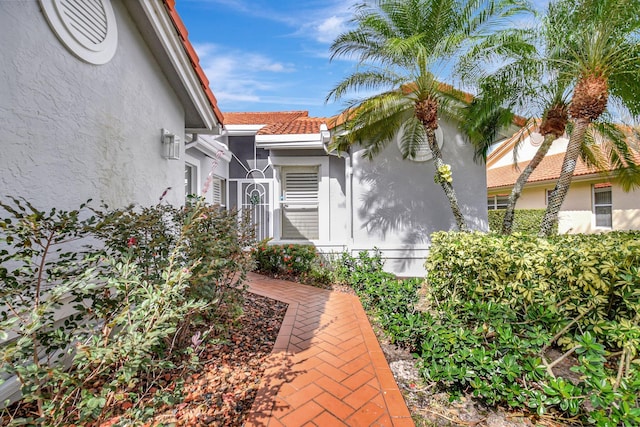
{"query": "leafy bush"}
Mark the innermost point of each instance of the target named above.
(524, 221)
(93, 302)
(497, 305)
(500, 315)
(299, 262)
(213, 246)
(391, 300)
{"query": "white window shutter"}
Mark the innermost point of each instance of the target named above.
(216, 185)
(300, 204)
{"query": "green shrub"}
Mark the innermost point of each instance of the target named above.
(94, 302)
(497, 304)
(295, 262)
(391, 300)
(524, 221)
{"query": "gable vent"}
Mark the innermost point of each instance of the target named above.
(86, 27)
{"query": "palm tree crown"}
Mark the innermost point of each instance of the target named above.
(599, 53)
(402, 48)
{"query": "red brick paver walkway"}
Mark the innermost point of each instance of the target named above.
(326, 368)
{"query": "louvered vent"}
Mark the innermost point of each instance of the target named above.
(422, 152)
(86, 20)
(86, 27)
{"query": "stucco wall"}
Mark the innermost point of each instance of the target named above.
(338, 202)
(576, 213)
(72, 131)
(528, 148)
(397, 205)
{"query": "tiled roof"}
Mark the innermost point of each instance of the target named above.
(262, 118)
(193, 56)
(548, 169)
(278, 122)
(299, 126)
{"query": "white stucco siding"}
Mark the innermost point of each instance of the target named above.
(339, 217)
(397, 204)
(528, 148)
(576, 214)
(72, 131)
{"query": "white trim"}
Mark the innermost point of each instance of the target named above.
(195, 163)
(294, 141)
(168, 37)
(593, 208)
(242, 130)
(210, 148)
(324, 189)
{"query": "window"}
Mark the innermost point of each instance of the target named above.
(218, 187)
(300, 203)
(190, 180)
(548, 193)
(602, 205)
(500, 201)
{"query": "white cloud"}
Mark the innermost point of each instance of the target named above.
(240, 76)
(330, 28)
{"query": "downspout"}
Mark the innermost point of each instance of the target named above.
(348, 179)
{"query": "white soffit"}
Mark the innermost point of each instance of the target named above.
(166, 34)
(86, 27)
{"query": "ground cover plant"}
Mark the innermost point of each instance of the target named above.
(98, 304)
(545, 325)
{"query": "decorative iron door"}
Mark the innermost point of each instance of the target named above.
(255, 200)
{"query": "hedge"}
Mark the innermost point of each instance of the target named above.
(525, 220)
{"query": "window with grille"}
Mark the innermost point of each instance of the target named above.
(300, 203)
(603, 205)
(501, 201)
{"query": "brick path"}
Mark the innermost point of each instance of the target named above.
(326, 368)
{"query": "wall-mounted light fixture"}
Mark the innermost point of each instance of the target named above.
(170, 145)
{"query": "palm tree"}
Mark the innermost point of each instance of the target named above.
(518, 79)
(599, 51)
(400, 46)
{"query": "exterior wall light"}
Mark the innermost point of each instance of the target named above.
(170, 145)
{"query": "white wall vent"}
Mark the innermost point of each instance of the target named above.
(86, 27)
(423, 153)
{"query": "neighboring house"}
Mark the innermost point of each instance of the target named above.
(297, 191)
(595, 201)
(92, 93)
(84, 99)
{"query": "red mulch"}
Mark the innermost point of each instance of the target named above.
(222, 392)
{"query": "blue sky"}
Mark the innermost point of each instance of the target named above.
(270, 55)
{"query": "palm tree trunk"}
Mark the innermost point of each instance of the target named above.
(566, 175)
(507, 223)
(447, 187)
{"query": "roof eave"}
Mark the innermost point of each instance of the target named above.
(163, 26)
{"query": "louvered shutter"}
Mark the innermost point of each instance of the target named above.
(300, 204)
(216, 186)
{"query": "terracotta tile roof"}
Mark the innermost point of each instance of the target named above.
(262, 118)
(548, 169)
(299, 126)
(193, 57)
